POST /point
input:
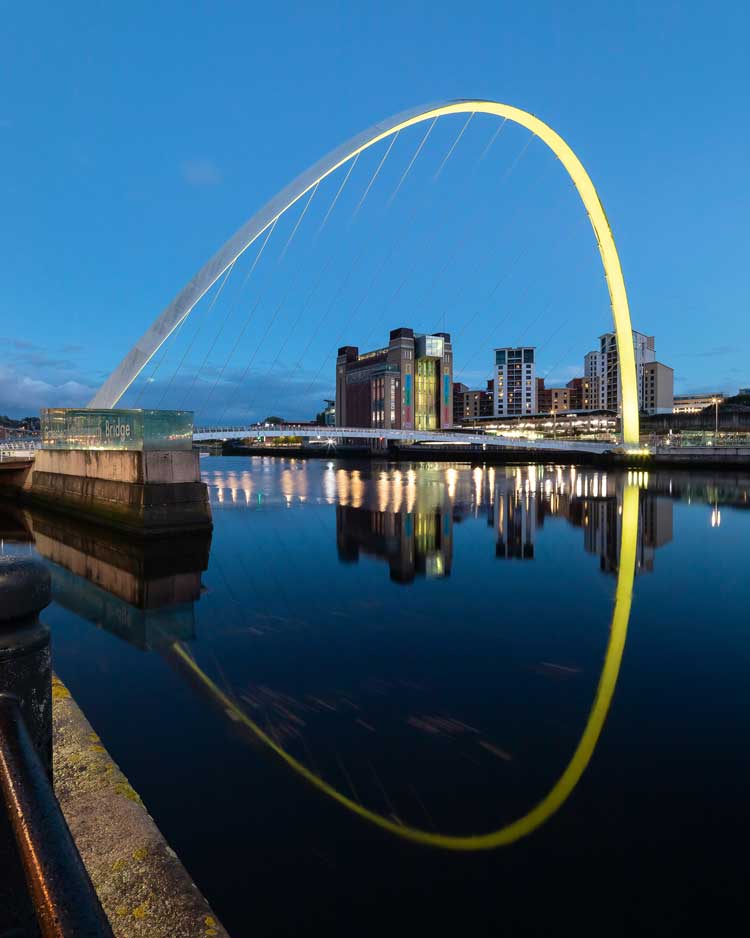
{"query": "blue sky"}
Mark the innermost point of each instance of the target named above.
(135, 138)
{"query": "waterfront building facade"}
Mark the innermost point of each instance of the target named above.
(329, 413)
(515, 382)
(407, 385)
(658, 388)
(575, 395)
(695, 403)
(602, 371)
(471, 404)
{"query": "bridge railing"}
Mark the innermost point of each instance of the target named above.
(448, 437)
(707, 439)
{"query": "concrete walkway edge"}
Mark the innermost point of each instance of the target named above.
(141, 883)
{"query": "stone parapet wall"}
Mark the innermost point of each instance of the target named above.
(122, 465)
(143, 508)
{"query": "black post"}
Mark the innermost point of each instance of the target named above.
(63, 896)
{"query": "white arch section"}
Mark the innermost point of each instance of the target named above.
(181, 306)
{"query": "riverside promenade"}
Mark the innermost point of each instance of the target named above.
(84, 858)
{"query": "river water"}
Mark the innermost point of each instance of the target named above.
(460, 699)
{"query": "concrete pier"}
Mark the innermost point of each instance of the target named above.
(134, 471)
(148, 493)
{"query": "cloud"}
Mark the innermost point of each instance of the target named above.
(21, 395)
(240, 399)
(17, 343)
(714, 352)
(42, 360)
(201, 172)
(70, 349)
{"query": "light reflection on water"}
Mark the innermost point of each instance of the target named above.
(450, 707)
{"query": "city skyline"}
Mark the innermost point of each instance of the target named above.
(374, 468)
(63, 333)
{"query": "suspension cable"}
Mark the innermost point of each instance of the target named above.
(197, 331)
(226, 319)
(247, 318)
(375, 174)
(387, 257)
(453, 146)
(299, 221)
(293, 282)
(459, 242)
(434, 234)
(493, 138)
(411, 162)
(336, 197)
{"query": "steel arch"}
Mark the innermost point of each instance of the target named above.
(180, 307)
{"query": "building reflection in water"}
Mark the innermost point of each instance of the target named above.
(404, 513)
(406, 523)
(406, 517)
(400, 513)
(522, 498)
(143, 592)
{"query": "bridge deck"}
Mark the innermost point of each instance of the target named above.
(323, 434)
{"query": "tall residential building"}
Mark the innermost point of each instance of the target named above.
(515, 382)
(408, 385)
(602, 370)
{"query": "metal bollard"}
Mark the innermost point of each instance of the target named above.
(25, 669)
(63, 896)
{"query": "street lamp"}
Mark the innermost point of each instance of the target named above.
(715, 402)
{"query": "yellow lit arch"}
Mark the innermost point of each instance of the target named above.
(146, 347)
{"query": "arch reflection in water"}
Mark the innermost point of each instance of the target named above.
(628, 514)
(149, 600)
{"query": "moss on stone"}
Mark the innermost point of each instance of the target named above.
(127, 791)
(59, 690)
(141, 911)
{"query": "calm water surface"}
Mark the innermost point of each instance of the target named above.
(389, 697)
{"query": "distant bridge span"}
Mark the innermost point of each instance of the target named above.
(323, 434)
